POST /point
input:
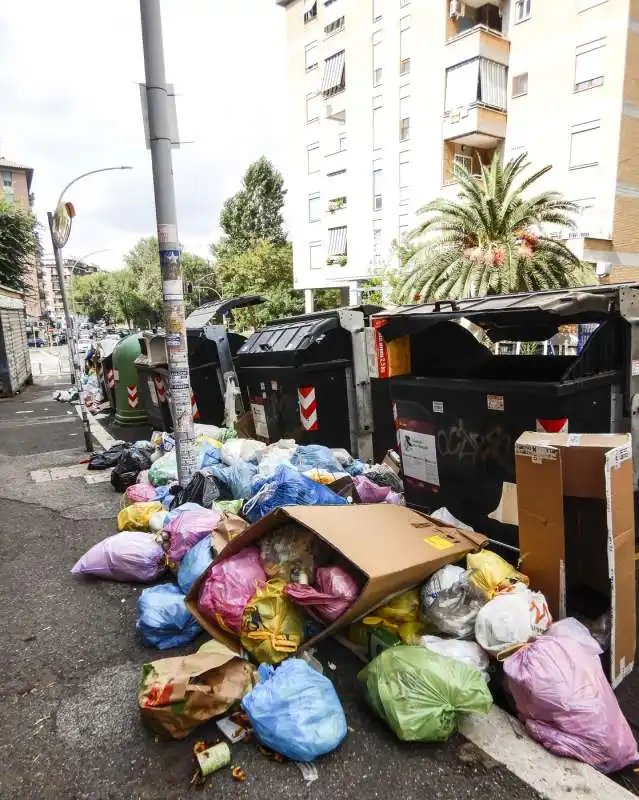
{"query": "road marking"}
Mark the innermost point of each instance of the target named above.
(25, 412)
(103, 437)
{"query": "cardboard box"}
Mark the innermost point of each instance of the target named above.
(392, 547)
(386, 359)
(577, 531)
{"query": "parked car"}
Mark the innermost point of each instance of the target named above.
(84, 345)
(37, 342)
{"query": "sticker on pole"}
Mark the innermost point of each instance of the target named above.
(167, 233)
(169, 258)
(132, 396)
(172, 290)
(552, 425)
(495, 402)
(419, 456)
(308, 407)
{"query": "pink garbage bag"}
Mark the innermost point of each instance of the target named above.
(371, 492)
(187, 528)
(229, 586)
(140, 493)
(126, 556)
(336, 591)
(565, 701)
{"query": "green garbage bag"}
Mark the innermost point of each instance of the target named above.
(420, 693)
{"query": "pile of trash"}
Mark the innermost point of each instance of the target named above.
(264, 588)
(91, 390)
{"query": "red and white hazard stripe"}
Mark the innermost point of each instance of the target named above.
(132, 396)
(111, 379)
(196, 411)
(308, 407)
(160, 388)
(552, 425)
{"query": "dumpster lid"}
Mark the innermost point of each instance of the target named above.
(215, 311)
(501, 315)
(333, 313)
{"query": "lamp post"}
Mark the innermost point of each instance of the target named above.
(60, 221)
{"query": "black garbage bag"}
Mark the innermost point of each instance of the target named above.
(129, 466)
(202, 489)
(109, 458)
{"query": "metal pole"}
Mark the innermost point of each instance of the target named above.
(166, 218)
(75, 364)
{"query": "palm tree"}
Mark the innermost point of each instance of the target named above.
(490, 240)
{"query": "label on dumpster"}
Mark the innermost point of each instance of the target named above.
(419, 456)
(259, 420)
(438, 407)
(152, 392)
(438, 542)
(495, 402)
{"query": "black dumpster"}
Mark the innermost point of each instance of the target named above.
(301, 378)
(460, 413)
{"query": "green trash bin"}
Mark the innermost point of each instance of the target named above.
(129, 407)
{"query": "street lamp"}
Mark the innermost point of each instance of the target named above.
(63, 216)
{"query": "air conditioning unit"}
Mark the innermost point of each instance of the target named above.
(603, 268)
(455, 9)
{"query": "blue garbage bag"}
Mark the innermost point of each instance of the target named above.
(194, 563)
(356, 467)
(209, 456)
(163, 495)
(315, 456)
(296, 711)
(234, 482)
(288, 487)
(163, 619)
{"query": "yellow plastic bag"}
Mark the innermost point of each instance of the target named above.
(403, 608)
(136, 516)
(491, 573)
(272, 626)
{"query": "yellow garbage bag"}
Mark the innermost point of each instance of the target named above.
(136, 516)
(403, 608)
(492, 574)
(272, 626)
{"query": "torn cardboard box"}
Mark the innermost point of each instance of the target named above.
(390, 548)
(577, 532)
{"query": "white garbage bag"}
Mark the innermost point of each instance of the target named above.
(468, 652)
(512, 618)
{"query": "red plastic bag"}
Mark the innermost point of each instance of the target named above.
(565, 701)
(336, 591)
(229, 586)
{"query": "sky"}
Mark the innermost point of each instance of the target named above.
(69, 75)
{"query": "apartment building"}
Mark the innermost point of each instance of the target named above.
(386, 95)
(53, 306)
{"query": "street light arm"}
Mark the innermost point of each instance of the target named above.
(84, 175)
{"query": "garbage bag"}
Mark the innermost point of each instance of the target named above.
(295, 711)
(236, 450)
(143, 477)
(201, 489)
(323, 476)
(420, 693)
(512, 618)
(443, 515)
(228, 587)
(308, 456)
(444, 578)
(467, 652)
(403, 608)
(140, 493)
(454, 610)
(384, 476)
(126, 556)
(369, 491)
(336, 591)
(163, 495)
(109, 458)
(164, 470)
(177, 694)
(137, 517)
(288, 488)
(566, 703)
(355, 467)
(157, 520)
(187, 528)
(163, 619)
(274, 455)
(131, 462)
(492, 573)
(234, 482)
(289, 553)
(194, 563)
(272, 627)
(228, 506)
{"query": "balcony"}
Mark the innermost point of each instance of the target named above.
(465, 15)
(475, 126)
(478, 42)
(335, 163)
(335, 108)
(476, 92)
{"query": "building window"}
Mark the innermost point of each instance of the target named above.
(404, 118)
(341, 142)
(404, 45)
(377, 241)
(337, 243)
(377, 10)
(334, 27)
(310, 10)
(585, 145)
(476, 81)
(463, 161)
(589, 65)
(313, 158)
(334, 79)
(520, 84)
(311, 60)
(335, 203)
(377, 121)
(314, 207)
(313, 107)
(377, 58)
(378, 175)
(402, 231)
(315, 255)
(404, 177)
(522, 10)
(7, 178)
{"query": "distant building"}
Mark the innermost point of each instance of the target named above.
(16, 186)
(52, 303)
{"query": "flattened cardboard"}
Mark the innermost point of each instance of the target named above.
(576, 519)
(394, 547)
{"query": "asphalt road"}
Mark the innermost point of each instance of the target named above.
(69, 725)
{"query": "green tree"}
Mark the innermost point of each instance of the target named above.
(19, 245)
(488, 241)
(90, 295)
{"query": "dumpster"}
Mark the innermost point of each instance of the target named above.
(460, 412)
(129, 408)
(105, 368)
(153, 375)
(306, 378)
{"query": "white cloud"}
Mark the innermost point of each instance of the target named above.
(70, 103)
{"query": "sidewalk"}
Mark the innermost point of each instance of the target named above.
(70, 725)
